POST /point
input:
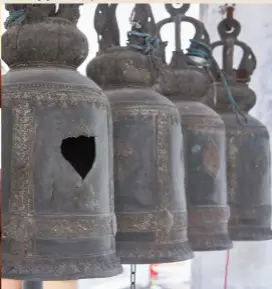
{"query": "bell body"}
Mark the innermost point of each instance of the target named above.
(248, 168)
(205, 159)
(248, 179)
(205, 165)
(150, 202)
(57, 201)
(150, 205)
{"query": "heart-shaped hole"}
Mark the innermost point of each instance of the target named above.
(80, 153)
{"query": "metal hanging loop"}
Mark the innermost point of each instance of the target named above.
(225, 29)
(173, 11)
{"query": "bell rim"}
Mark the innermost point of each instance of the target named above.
(250, 234)
(214, 242)
(110, 261)
(183, 252)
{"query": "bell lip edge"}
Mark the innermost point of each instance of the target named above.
(248, 239)
(188, 255)
(159, 261)
(104, 274)
(219, 244)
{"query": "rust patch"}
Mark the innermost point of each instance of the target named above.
(211, 159)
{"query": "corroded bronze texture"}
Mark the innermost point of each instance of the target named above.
(205, 161)
(204, 146)
(148, 171)
(248, 167)
(248, 152)
(149, 201)
(149, 179)
(58, 215)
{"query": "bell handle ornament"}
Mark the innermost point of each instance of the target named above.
(205, 37)
(106, 26)
(143, 34)
(229, 30)
(142, 18)
(199, 51)
(69, 11)
(230, 78)
(177, 16)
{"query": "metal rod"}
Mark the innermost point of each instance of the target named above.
(32, 285)
(177, 31)
(132, 276)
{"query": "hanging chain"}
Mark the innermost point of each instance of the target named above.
(133, 276)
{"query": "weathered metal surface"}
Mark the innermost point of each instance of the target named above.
(248, 153)
(204, 146)
(148, 172)
(58, 216)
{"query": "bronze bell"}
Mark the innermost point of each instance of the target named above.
(204, 140)
(58, 215)
(248, 151)
(149, 192)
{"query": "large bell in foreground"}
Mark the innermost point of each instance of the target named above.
(248, 150)
(204, 142)
(149, 180)
(57, 201)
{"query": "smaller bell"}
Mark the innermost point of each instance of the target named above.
(204, 139)
(248, 149)
(150, 202)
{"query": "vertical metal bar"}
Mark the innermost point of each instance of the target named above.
(177, 20)
(133, 276)
(32, 285)
(228, 53)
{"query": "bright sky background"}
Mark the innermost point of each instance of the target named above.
(85, 24)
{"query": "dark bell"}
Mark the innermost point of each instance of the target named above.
(248, 150)
(149, 178)
(57, 213)
(205, 160)
(204, 139)
(248, 153)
